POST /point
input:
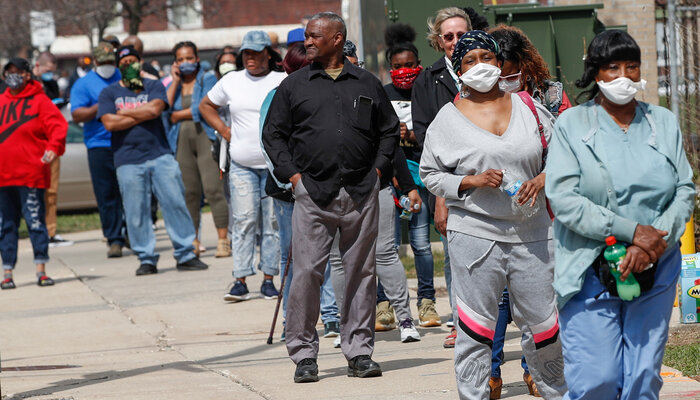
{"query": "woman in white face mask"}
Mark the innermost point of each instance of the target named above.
(616, 167)
(498, 229)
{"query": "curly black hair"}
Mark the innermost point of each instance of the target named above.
(399, 38)
(607, 46)
(479, 22)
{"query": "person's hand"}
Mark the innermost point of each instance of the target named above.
(441, 216)
(530, 190)
(489, 178)
(395, 182)
(650, 240)
(416, 201)
(175, 73)
(404, 132)
(636, 261)
(379, 173)
(48, 157)
(295, 179)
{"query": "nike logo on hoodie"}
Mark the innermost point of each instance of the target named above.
(10, 121)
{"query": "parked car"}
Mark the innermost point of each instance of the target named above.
(75, 185)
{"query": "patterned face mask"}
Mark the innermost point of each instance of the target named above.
(131, 75)
(403, 78)
(14, 81)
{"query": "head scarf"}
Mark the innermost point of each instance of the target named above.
(470, 41)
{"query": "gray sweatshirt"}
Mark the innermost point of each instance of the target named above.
(455, 147)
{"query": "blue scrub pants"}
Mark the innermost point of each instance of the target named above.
(612, 347)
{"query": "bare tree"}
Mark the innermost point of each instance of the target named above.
(135, 11)
(15, 35)
(90, 17)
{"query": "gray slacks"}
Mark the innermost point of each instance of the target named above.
(390, 270)
(313, 230)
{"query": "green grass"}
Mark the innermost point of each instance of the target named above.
(438, 261)
(68, 223)
(685, 358)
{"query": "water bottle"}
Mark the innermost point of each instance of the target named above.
(511, 185)
(614, 254)
(407, 211)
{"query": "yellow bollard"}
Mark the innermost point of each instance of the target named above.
(687, 246)
(688, 238)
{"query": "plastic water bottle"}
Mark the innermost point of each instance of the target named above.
(407, 211)
(511, 185)
(614, 254)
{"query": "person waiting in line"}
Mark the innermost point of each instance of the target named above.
(131, 109)
(404, 63)
(84, 103)
(495, 240)
(243, 92)
(616, 167)
(523, 69)
(427, 98)
(224, 63)
(350, 51)
(190, 137)
(283, 199)
(335, 179)
(44, 70)
(30, 139)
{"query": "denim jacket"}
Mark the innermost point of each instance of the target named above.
(203, 84)
(582, 196)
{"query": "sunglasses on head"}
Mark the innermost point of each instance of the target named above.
(450, 36)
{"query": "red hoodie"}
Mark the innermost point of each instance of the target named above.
(30, 124)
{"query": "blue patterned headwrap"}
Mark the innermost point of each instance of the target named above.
(470, 41)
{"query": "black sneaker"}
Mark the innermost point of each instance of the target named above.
(194, 264)
(331, 329)
(307, 371)
(45, 281)
(146, 269)
(363, 367)
(58, 241)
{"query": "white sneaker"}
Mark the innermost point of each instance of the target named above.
(336, 342)
(58, 241)
(409, 333)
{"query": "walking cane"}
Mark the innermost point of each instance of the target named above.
(279, 296)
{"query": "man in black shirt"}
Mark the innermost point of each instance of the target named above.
(331, 131)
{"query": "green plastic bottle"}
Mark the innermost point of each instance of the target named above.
(614, 254)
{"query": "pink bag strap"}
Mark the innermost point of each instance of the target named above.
(527, 99)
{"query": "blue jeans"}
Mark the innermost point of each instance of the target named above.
(249, 204)
(106, 188)
(137, 183)
(329, 309)
(499, 338)
(16, 201)
(419, 237)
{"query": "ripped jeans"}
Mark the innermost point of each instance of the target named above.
(16, 201)
(250, 204)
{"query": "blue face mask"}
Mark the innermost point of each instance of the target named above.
(188, 68)
(47, 76)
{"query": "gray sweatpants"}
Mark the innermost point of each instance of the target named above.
(390, 270)
(480, 270)
(313, 230)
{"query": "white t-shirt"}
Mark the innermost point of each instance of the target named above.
(244, 95)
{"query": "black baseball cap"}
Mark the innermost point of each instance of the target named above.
(125, 51)
(18, 62)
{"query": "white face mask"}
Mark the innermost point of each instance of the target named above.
(621, 90)
(481, 77)
(226, 67)
(510, 83)
(105, 71)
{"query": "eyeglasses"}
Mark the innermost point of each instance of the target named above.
(451, 36)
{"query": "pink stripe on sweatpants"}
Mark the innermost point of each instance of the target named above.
(548, 334)
(471, 324)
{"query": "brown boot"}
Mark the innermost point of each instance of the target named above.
(531, 387)
(223, 248)
(495, 384)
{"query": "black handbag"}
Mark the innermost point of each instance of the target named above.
(602, 271)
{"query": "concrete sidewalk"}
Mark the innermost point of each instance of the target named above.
(103, 333)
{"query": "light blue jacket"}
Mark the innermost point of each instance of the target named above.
(582, 196)
(203, 84)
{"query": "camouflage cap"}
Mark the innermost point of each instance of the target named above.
(104, 52)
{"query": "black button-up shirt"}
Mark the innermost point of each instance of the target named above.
(334, 132)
